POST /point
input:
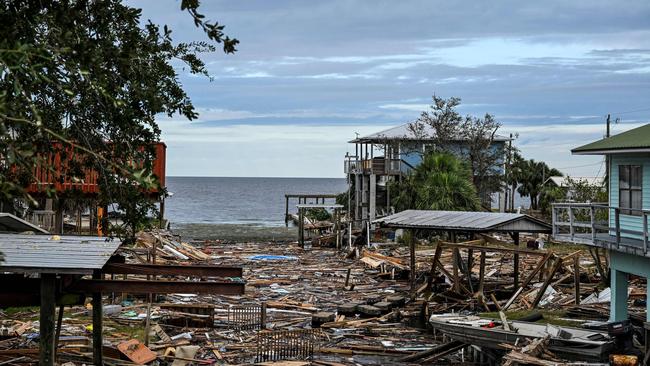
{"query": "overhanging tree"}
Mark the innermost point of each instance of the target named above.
(86, 76)
(469, 136)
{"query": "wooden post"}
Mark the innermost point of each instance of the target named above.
(286, 210)
(263, 316)
(301, 226)
(540, 292)
(455, 260)
(592, 217)
(530, 277)
(481, 277)
(470, 264)
(98, 342)
(57, 335)
(412, 252)
(434, 263)
(46, 320)
(576, 278)
(347, 278)
(572, 230)
(617, 223)
(337, 225)
(515, 238)
(553, 220)
(645, 233)
(161, 214)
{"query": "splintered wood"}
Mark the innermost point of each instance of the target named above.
(324, 307)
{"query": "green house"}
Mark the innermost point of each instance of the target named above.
(620, 225)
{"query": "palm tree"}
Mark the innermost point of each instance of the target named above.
(533, 174)
(440, 182)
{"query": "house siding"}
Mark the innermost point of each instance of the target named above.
(629, 222)
(412, 152)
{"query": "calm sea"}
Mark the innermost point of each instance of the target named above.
(222, 200)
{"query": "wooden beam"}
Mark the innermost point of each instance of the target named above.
(46, 319)
(540, 292)
(434, 263)
(539, 253)
(455, 259)
(412, 239)
(172, 270)
(158, 287)
(576, 278)
(470, 260)
(481, 277)
(57, 335)
(530, 277)
(98, 342)
(301, 226)
(515, 238)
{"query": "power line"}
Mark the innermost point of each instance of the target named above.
(580, 166)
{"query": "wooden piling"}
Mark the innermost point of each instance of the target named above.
(301, 226)
(576, 278)
(98, 341)
(46, 320)
(515, 238)
(412, 240)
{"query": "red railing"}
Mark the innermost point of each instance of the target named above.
(54, 173)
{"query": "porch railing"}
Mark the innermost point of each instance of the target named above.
(600, 224)
(377, 165)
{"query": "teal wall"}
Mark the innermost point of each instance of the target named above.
(622, 264)
(629, 222)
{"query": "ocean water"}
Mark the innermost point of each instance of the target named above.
(254, 201)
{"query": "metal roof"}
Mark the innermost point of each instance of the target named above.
(465, 221)
(54, 254)
(318, 205)
(9, 222)
(404, 132)
(567, 181)
(634, 140)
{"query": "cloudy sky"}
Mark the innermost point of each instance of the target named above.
(309, 75)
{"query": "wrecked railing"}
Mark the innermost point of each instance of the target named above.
(247, 317)
(287, 345)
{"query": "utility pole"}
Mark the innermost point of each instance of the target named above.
(506, 207)
(607, 134)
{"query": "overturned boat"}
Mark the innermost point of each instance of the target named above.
(566, 342)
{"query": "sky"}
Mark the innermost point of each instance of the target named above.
(309, 75)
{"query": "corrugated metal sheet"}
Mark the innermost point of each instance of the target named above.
(9, 222)
(44, 254)
(464, 221)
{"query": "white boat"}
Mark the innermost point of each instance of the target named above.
(566, 342)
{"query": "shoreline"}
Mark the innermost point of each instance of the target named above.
(235, 232)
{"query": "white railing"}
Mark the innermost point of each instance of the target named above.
(377, 165)
(600, 224)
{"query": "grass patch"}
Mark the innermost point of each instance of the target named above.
(134, 331)
(17, 310)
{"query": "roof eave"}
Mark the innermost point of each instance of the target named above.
(609, 151)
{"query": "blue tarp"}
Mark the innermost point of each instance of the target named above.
(268, 257)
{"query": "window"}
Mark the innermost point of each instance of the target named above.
(629, 189)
